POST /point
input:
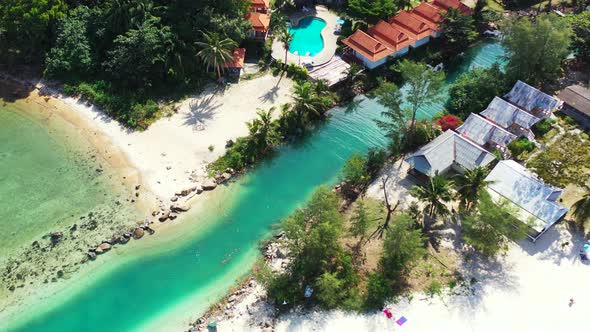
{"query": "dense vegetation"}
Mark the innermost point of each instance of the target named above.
(581, 36)
(122, 54)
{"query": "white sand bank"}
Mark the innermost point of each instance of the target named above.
(173, 152)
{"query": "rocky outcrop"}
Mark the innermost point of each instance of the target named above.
(209, 184)
(56, 237)
(138, 233)
(224, 177)
(164, 216)
(179, 208)
(102, 248)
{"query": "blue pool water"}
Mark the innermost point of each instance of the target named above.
(307, 36)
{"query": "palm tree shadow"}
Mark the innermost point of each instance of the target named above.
(200, 111)
(271, 95)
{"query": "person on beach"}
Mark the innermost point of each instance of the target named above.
(571, 302)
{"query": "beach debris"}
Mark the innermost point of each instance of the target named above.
(137, 187)
(209, 184)
(138, 233)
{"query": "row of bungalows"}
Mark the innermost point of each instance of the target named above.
(259, 16)
(472, 144)
(407, 29)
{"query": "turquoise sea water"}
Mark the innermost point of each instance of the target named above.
(307, 36)
(186, 274)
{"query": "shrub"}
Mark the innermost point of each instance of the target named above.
(378, 291)
(296, 72)
(449, 122)
(544, 126)
(435, 288)
(519, 146)
(354, 172)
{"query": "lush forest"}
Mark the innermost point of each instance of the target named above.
(120, 54)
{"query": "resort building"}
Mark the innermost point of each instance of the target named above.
(260, 6)
(533, 100)
(369, 50)
(235, 66)
(449, 151)
(406, 29)
(511, 117)
(408, 23)
(260, 24)
(392, 37)
(536, 201)
(577, 103)
(486, 133)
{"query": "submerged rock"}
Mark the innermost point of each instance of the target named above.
(56, 237)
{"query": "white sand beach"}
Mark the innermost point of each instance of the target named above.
(173, 152)
(527, 290)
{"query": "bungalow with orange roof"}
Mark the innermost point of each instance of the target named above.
(235, 66)
(430, 14)
(260, 25)
(260, 6)
(415, 28)
(393, 38)
(457, 4)
(369, 50)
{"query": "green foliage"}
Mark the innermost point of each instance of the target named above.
(394, 117)
(536, 50)
(474, 90)
(543, 127)
(370, 11)
(564, 162)
(581, 37)
(403, 246)
(317, 257)
(216, 52)
(519, 146)
(26, 28)
(378, 291)
(376, 158)
(435, 194)
(360, 221)
(72, 54)
(434, 288)
(581, 210)
(296, 72)
(470, 185)
(492, 226)
(354, 172)
(459, 30)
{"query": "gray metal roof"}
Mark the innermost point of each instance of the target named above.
(530, 98)
(523, 188)
(505, 114)
(447, 149)
(482, 131)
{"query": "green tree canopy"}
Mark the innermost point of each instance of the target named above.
(581, 37)
(216, 52)
(536, 50)
(492, 226)
(581, 210)
(435, 194)
(354, 172)
(475, 89)
(402, 248)
(459, 30)
(470, 184)
(26, 28)
(72, 53)
(371, 11)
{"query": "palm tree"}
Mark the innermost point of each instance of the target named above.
(216, 52)
(470, 184)
(306, 100)
(278, 23)
(581, 208)
(286, 38)
(435, 194)
(263, 130)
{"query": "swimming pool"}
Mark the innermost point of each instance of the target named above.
(307, 37)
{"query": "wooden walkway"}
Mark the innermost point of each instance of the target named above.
(332, 72)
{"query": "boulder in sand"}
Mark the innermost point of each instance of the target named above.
(138, 233)
(209, 184)
(164, 216)
(103, 247)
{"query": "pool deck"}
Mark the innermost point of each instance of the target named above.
(330, 39)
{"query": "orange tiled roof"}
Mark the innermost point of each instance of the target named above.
(457, 4)
(429, 12)
(368, 46)
(239, 55)
(260, 3)
(411, 24)
(390, 36)
(260, 22)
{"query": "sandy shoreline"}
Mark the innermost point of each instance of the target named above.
(168, 157)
